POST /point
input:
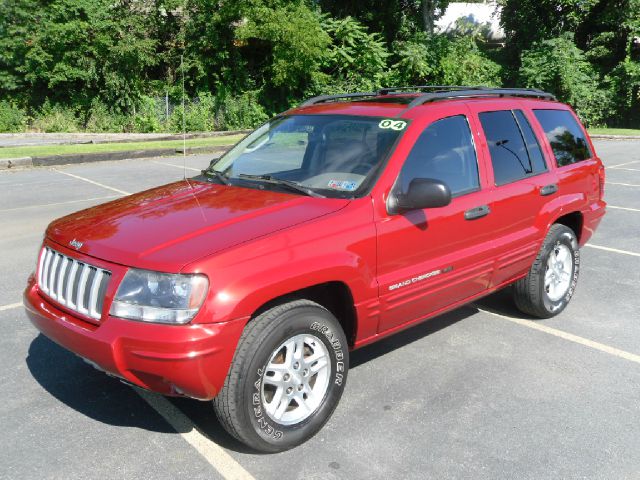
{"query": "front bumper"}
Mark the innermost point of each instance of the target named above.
(190, 360)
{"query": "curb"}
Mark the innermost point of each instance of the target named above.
(614, 137)
(162, 137)
(68, 159)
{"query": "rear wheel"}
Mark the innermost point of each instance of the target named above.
(286, 378)
(551, 281)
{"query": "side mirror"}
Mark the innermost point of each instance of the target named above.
(422, 193)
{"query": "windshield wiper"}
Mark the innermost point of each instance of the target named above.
(282, 182)
(219, 175)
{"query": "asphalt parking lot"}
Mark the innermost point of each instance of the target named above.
(480, 392)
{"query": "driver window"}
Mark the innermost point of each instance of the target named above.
(445, 152)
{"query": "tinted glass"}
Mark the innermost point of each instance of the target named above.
(444, 151)
(337, 155)
(533, 147)
(565, 136)
(510, 157)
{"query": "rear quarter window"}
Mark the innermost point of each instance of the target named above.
(567, 139)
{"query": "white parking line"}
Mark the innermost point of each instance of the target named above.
(181, 167)
(535, 325)
(623, 184)
(92, 182)
(59, 203)
(624, 208)
(10, 306)
(622, 164)
(614, 250)
(628, 169)
(217, 457)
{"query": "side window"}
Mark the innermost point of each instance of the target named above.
(567, 140)
(511, 157)
(538, 164)
(444, 151)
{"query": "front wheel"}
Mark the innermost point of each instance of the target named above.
(287, 376)
(551, 281)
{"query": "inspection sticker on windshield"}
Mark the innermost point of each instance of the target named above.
(342, 185)
(392, 124)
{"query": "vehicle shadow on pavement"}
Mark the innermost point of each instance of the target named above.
(94, 394)
(501, 302)
(70, 380)
(79, 386)
(205, 420)
(412, 334)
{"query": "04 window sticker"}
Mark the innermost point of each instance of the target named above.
(393, 124)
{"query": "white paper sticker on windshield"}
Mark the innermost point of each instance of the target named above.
(342, 185)
(392, 124)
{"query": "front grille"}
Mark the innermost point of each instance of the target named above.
(76, 285)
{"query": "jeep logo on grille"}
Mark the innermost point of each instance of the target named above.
(76, 244)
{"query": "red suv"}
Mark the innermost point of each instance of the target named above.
(330, 227)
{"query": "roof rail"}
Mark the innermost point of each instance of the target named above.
(480, 92)
(417, 88)
(326, 98)
(441, 92)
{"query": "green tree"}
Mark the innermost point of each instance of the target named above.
(559, 66)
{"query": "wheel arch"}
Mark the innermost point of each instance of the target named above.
(574, 221)
(335, 296)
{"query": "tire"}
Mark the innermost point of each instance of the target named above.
(547, 289)
(268, 352)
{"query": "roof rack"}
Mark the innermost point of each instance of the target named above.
(326, 98)
(439, 92)
(417, 88)
(480, 92)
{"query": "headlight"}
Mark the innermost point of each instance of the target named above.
(159, 297)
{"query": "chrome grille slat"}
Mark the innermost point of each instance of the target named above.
(81, 288)
(61, 271)
(52, 276)
(70, 283)
(74, 284)
(45, 275)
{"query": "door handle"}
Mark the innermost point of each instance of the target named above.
(477, 212)
(549, 189)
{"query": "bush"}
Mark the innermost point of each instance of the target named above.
(199, 115)
(240, 112)
(55, 118)
(439, 60)
(148, 116)
(464, 64)
(354, 56)
(12, 118)
(101, 120)
(624, 84)
(418, 60)
(559, 66)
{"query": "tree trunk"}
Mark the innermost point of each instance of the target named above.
(428, 7)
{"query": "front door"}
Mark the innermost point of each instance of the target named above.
(433, 258)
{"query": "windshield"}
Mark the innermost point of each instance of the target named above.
(325, 155)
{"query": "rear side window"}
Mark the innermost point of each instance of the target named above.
(565, 136)
(515, 153)
(445, 152)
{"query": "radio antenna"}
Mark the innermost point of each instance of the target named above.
(184, 124)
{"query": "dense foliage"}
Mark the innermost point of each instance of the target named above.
(117, 65)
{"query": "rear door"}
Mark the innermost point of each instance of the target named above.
(521, 183)
(578, 166)
(433, 258)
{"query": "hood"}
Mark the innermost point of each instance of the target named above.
(168, 227)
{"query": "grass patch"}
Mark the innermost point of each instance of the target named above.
(45, 150)
(614, 131)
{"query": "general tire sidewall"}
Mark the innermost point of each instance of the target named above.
(563, 238)
(309, 320)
